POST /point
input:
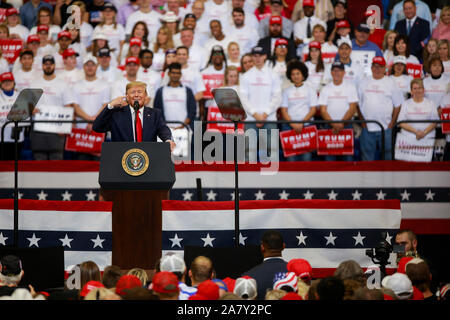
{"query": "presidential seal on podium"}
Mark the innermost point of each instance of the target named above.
(135, 162)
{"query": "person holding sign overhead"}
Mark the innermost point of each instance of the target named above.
(119, 117)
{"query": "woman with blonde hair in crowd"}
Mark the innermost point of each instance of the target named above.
(388, 44)
(141, 274)
(429, 52)
(442, 30)
(418, 107)
(444, 55)
(162, 43)
(233, 54)
(114, 31)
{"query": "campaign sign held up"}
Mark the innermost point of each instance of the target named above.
(329, 143)
(294, 143)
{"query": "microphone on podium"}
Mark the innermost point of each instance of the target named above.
(136, 117)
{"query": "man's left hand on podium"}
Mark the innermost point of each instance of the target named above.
(172, 145)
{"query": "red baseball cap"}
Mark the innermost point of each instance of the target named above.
(165, 282)
(276, 20)
(132, 60)
(281, 42)
(33, 38)
(11, 11)
(343, 24)
(291, 296)
(308, 3)
(64, 33)
(135, 41)
(68, 53)
(90, 285)
(379, 60)
(301, 268)
(6, 76)
(209, 290)
(127, 281)
(315, 44)
(42, 27)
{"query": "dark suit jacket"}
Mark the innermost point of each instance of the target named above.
(264, 274)
(419, 32)
(266, 44)
(119, 122)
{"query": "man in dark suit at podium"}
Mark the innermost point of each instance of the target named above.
(118, 116)
(416, 28)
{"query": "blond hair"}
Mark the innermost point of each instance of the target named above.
(134, 84)
(140, 273)
(417, 81)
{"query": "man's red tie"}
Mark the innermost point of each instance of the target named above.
(138, 127)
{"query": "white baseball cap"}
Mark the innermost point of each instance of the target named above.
(399, 59)
(400, 284)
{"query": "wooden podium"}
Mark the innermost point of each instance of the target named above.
(136, 177)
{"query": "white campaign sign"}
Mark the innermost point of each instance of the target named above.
(408, 148)
(54, 113)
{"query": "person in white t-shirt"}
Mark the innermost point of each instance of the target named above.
(418, 107)
(245, 35)
(145, 13)
(92, 94)
(202, 30)
(45, 44)
(175, 100)
(260, 93)
(328, 49)
(114, 31)
(299, 102)
(401, 48)
(24, 75)
(400, 75)
(303, 28)
(105, 70)
(353, 71)
(14, 26)
(197, 55)
(50, 146)
(338, 101)
(217, 10)
(444, 53)
(8, 96)
(70, 74)
(436, 83)
(132, 65)
(44, 17)
(190, 77)
(147, 74)
(218, 36)
(380, 100)
(316, 67)
(216, 65)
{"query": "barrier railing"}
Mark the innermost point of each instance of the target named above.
(311, 122)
